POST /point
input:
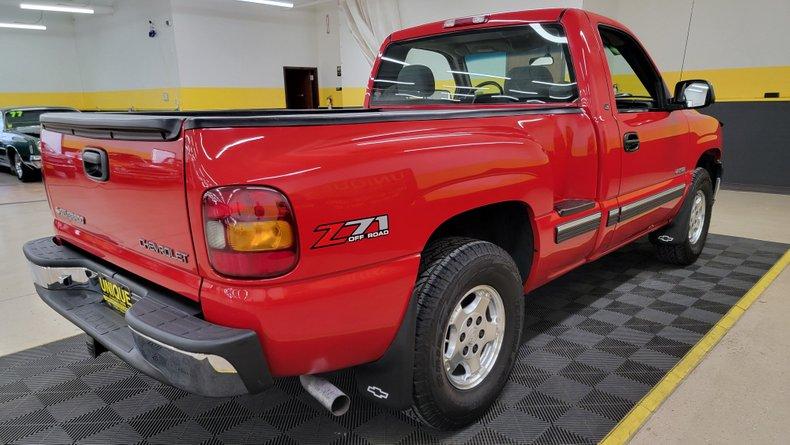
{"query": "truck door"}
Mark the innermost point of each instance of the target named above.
(652, 137)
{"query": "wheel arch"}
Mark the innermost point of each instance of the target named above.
(508, 224)
(710, 160)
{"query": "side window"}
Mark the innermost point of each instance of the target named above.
(636, 84)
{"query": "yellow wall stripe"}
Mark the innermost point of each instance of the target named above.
(639, 414)
(730, 84)
(140, 99)
(60, 99)
(740, 84)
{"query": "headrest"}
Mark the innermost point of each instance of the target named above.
(417, 80)
(521, 79)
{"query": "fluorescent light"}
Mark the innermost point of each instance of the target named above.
(270, 3)
(23, 26)
(57, 8)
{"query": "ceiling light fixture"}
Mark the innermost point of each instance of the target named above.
(57, 8)
(23, 26)
(270, 3)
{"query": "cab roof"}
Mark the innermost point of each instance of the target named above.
(493, 20)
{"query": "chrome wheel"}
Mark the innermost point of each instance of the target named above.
(473, 337)
(697, 220)
(18, 167)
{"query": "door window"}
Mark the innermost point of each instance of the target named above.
(637, 86)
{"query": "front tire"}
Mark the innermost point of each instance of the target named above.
(469, 322)
(22, 171)
(694, 218)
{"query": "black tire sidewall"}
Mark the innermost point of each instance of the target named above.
(702, 183)
(464, 404)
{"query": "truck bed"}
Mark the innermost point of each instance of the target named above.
(166, 126)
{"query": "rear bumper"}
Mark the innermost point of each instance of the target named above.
(162, 335)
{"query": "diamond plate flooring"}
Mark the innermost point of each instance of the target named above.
(596, 341)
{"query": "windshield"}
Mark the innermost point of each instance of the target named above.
(22, 118)
(523, 64)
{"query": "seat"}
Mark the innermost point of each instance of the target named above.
(416, 80)
(521, 82)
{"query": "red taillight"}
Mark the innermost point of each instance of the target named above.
(250, 231)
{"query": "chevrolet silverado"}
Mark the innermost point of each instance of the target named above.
(216, 251)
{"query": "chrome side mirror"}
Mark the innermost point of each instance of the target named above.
(694, 93)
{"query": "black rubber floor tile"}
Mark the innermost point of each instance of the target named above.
(595, 342)
(558, 436)
(624, 388)
(640, 372)
(583, 373)
(616, 347)
(385, 428)
(519, 426)
(596, 326)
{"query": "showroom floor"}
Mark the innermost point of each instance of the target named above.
(719, 401)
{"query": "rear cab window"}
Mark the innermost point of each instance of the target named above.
(517, 64)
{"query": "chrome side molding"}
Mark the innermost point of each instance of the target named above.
(644, 205)
(572, 229)
(649, 203)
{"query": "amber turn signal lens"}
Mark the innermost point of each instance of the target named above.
(250, 232)
(260, 236)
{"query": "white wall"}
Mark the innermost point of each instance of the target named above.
(242, 45)
(723, 33)
(38, 61)
(328, 29)
(738, 33)
(116, 53)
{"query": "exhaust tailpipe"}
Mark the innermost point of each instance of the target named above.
(327, 394)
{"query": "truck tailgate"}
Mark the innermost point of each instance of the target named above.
(123, 200)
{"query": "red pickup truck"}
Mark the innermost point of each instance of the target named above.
(216, 251)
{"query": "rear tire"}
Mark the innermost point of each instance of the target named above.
(694, 217)
(459, 275)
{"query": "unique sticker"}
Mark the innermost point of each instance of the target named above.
(334, 234)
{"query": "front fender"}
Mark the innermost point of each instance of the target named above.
(22, 149)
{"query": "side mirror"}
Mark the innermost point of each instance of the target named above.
(694, 93)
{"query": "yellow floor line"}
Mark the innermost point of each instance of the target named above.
(639, 414)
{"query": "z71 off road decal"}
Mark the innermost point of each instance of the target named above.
(334, 234)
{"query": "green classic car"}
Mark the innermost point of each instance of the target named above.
(19, 140)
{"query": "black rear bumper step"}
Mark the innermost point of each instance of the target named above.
(160, 334)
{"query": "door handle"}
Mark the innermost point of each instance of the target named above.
(94, 162)
(631, 142)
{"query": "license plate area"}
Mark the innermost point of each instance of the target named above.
(115, 295)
